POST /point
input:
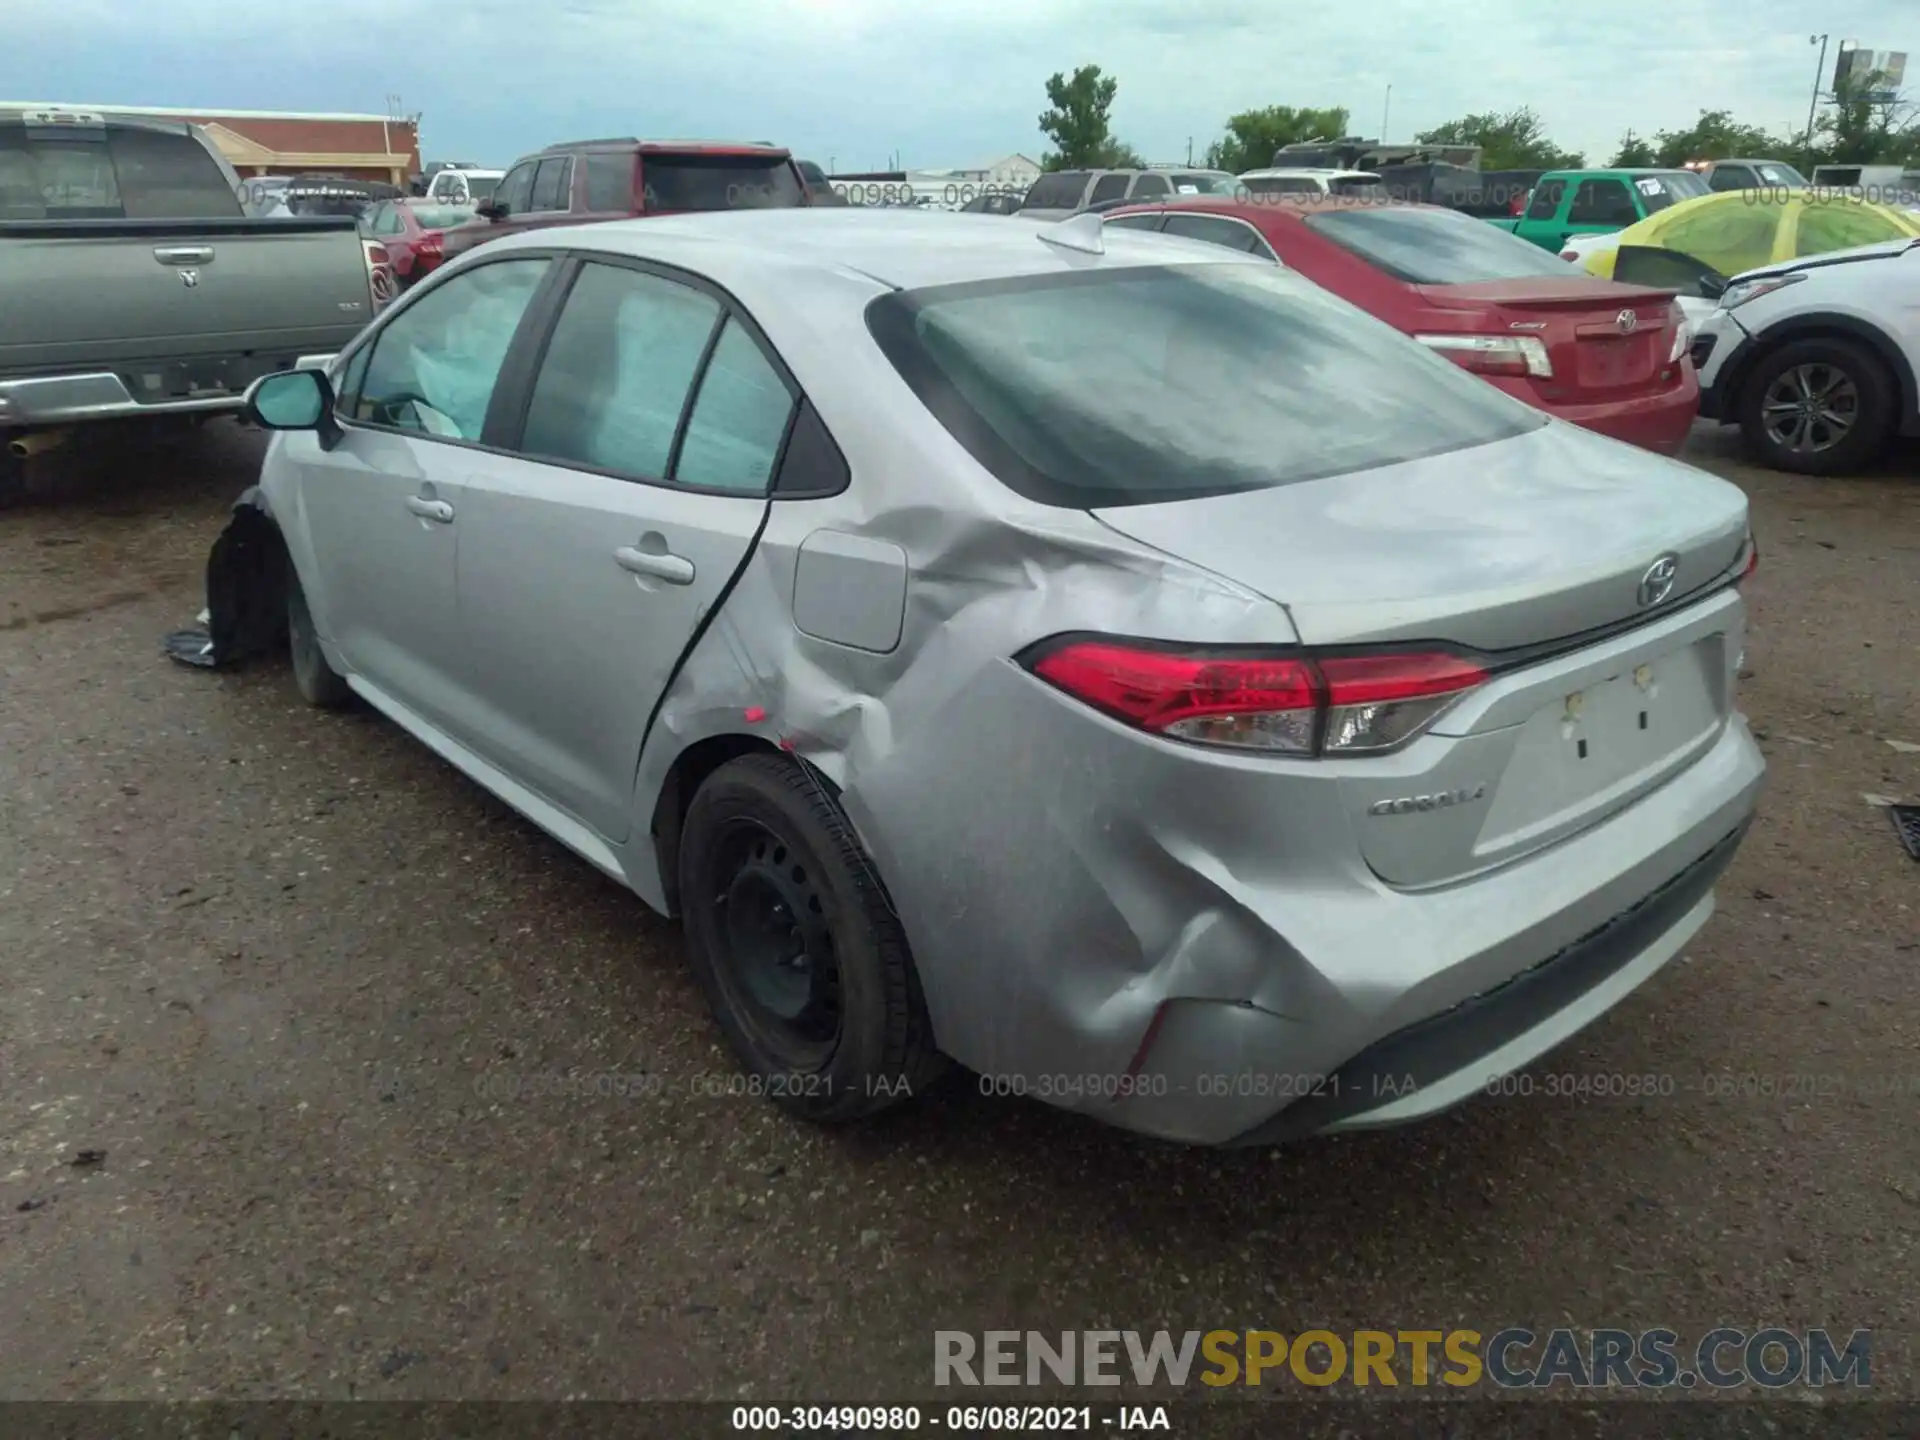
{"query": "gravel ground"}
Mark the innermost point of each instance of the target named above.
(281, 972)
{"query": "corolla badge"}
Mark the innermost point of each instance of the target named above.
(1440, 800)
(1657, 583)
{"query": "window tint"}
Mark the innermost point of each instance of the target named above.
(1362, 185)
(1546, 200)
(434, 368)
(617, 372)
(739, 418)
(123, 175)
(1058, 191)
(1731, 177)
(1150, 187)
(386, 220)
(1230, 233)
(1665, 269)
(1602, 202)
(1108, 187)
(1134, 386)
(550, 184)
(1135, 222)
(516, 191)
(610, 182)
(441, 217)
(719, 182)
(1434, 247)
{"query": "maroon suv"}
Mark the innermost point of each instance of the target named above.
(587, 180)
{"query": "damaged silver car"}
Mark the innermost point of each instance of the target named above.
(1110, 662)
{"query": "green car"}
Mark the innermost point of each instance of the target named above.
(1584, 202)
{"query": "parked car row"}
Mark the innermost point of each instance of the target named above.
(787, 564)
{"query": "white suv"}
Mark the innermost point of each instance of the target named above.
(1815, 359)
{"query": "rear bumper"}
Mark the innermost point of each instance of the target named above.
(1658, 422)
(105, 394)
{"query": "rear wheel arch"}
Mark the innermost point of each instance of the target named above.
(1833, 327)
(683, 780)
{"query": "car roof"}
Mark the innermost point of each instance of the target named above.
(888, 248)
(1307, 172)
(1293, 205)
(709, 147)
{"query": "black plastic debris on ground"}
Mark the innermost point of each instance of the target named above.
(246, 592)
(1906, 824)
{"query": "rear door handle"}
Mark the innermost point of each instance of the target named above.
(183, 254)
(438, 510)
(674, 569)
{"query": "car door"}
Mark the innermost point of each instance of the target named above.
(381, 507)
(588, 560)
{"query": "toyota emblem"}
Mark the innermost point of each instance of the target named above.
(1627, 322)
(1657, 583)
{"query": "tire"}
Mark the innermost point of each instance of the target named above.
(1842, 381)
(13, 476)
(319, 685)
(839, 1031)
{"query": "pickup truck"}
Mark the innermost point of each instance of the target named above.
(1580, 202)
(134, 286)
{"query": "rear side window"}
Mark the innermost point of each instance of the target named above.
(118, 174)
(609, 182)
(1212, 228)
(720, 182)
(617, 372)
(1058, 191)
(1602, 202)
(550, 188)
(1108, 187)
(1135, 222)
(738, 421)
(1731, 177)
(1137, 386)
(1434, 247)
(1151, 187)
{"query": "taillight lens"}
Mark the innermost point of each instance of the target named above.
(1753, 559)
(1282, 703)
(1494, 354)
(1682, 332)
(429, 244)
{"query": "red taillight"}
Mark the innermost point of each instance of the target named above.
(429, 244)
(1494, 354)
(1753, 559)
(1287, 703)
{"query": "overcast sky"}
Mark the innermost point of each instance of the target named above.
(848, 81)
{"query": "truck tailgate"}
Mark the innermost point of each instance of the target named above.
(94, 292)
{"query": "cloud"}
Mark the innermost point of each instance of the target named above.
(943, 84)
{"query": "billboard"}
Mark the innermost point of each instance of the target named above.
(1889, 67)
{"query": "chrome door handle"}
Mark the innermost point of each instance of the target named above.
(674, 569)
(183, 254)
(431, 509)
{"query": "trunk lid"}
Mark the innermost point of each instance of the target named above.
(1597, 352)
(1522, 543)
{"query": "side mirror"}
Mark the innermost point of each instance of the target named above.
(292, 400)
(1713, 286)
(492, 210)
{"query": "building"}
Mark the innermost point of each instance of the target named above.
(269, 142)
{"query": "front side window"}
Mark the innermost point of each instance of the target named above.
(1430, 246)
(433, 369)
(516, 191)
(618, 371)
(1731, 177)
(550, 184)
(1602, 202)
(1137, 386)
(1546, 200)
(738, 420)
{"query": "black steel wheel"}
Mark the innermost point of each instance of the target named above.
(794, 941)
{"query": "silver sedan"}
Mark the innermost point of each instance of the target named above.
(1107, 661)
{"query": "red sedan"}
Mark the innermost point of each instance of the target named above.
(414, 232)
(1608, 356)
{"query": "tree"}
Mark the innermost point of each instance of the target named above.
(1253, 135)
(1077, 123)
(1516, 140)
(1717, 136)
(1869, 123)
(1633, 154)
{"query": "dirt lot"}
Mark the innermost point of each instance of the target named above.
(284, 971)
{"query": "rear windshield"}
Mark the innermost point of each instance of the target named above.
(110, 174)
(1367, 185)
(1771, 174)
(719, 182)
(1435, 247)
(441, 217)
(481, 187)
(1281, 184)
(1148, 384)
(1204, 182)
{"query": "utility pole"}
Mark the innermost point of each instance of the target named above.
(1814, 104)
(1386, 111)
(1189, 149)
